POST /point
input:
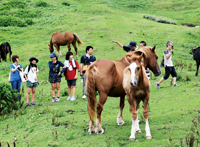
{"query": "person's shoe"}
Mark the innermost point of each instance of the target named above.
(28, 104)
(84, 97)
(69, 98)
(157, 85)
(57, 99)
(53, 100)
(73, 98)
(175, 85)
(32, 103)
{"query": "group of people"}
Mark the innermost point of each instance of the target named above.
(70, 70)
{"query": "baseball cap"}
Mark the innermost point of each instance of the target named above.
(132, 43)
(52, 55)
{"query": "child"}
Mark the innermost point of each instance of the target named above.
(55, 75)
(31, 77)
(71, 74)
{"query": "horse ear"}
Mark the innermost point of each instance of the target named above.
(153, 49)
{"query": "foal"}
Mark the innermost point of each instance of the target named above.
(137, 88)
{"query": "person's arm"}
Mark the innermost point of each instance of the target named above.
(81, 68)
(76, 74)
(51, 64)
(25, 73)
(121, 45)
(14, 68)
(168, 55)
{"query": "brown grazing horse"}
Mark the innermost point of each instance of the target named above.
(137, 87)
(62, 39)
(106, 77)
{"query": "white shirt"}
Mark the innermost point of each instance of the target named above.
(168, 62)
(32, 74)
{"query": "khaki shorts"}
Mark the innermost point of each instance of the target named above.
(30, 85)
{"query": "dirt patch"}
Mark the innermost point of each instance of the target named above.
(190, 25)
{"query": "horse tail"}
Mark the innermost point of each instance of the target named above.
(77, 39)
(90, 90)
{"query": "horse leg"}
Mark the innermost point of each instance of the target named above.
(134, 114)
(74, 45)
(197, 61)
(91, 127)
(146, 114)
(138, 130)
(58, 49)
(119, 117)
(102, 100)
(69, 47)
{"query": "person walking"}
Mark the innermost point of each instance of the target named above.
(130, 48)
(86, 60)
(32, 80)
(168, 64)
(71, 73)
(15, 78)
(55, 75)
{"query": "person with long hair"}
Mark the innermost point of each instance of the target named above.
(15, 68)
(55, 75)
(32, 80)
(71, 74)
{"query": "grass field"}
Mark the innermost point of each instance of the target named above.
(97, 23)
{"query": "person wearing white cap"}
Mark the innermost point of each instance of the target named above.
(130, 48)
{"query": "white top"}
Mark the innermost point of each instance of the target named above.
(167, 62)
(31, 74)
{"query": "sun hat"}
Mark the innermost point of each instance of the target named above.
(52, 55)
(33, 58)
(132, 43)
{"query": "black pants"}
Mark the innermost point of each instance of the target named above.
(168, 71)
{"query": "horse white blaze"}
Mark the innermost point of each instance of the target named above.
(147, 129)
(133, 78)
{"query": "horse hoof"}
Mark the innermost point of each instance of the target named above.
(138, 131)
(132, 139)
(92, 132)
(100, 132)
(120, 123)
(148, 137)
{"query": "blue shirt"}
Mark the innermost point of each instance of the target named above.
(87, 60)
(51, 66)
(15, 75)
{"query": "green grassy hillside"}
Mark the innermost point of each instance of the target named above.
(97, 23)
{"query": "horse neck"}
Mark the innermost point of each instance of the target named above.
(141, 76)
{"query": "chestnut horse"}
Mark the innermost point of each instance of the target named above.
(107, 80)
(137, 87)
(62, 39)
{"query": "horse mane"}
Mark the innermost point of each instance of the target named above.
(127, 57)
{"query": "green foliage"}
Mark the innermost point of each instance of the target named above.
(41, 4)
(8, 99)
(65, 3)
(190, 51)
(11, 21)
(13, 4)
(160, 19)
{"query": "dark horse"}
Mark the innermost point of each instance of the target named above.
(4, 50)
(62, 39)
(107, 80)
(196, 57)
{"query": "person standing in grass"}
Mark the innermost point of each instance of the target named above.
(86, 60)
(71, 74)
(15, 79)
(32, 80)
(55, 76)
(168, 64)
(130, 48)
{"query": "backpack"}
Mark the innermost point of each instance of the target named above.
(84, 57)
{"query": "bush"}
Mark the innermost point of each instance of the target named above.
(29, 21)
(8, 99)
(160, 19)
(41, 4)
(66, 4)
(11, 21)
(13, 4)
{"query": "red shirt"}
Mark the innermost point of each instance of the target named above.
(69, 75)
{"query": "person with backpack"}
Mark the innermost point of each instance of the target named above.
(30, 74)
(71, 73)
(15, 79)
(86, 60)
(55, 75)
(168, 64)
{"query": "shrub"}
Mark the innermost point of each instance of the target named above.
(29, 21)
(160, 19)
(8, 99)
(66, 4)
(13, 4)
(41, 4)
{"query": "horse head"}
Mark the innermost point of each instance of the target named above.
(149, 59)
(51, 48)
